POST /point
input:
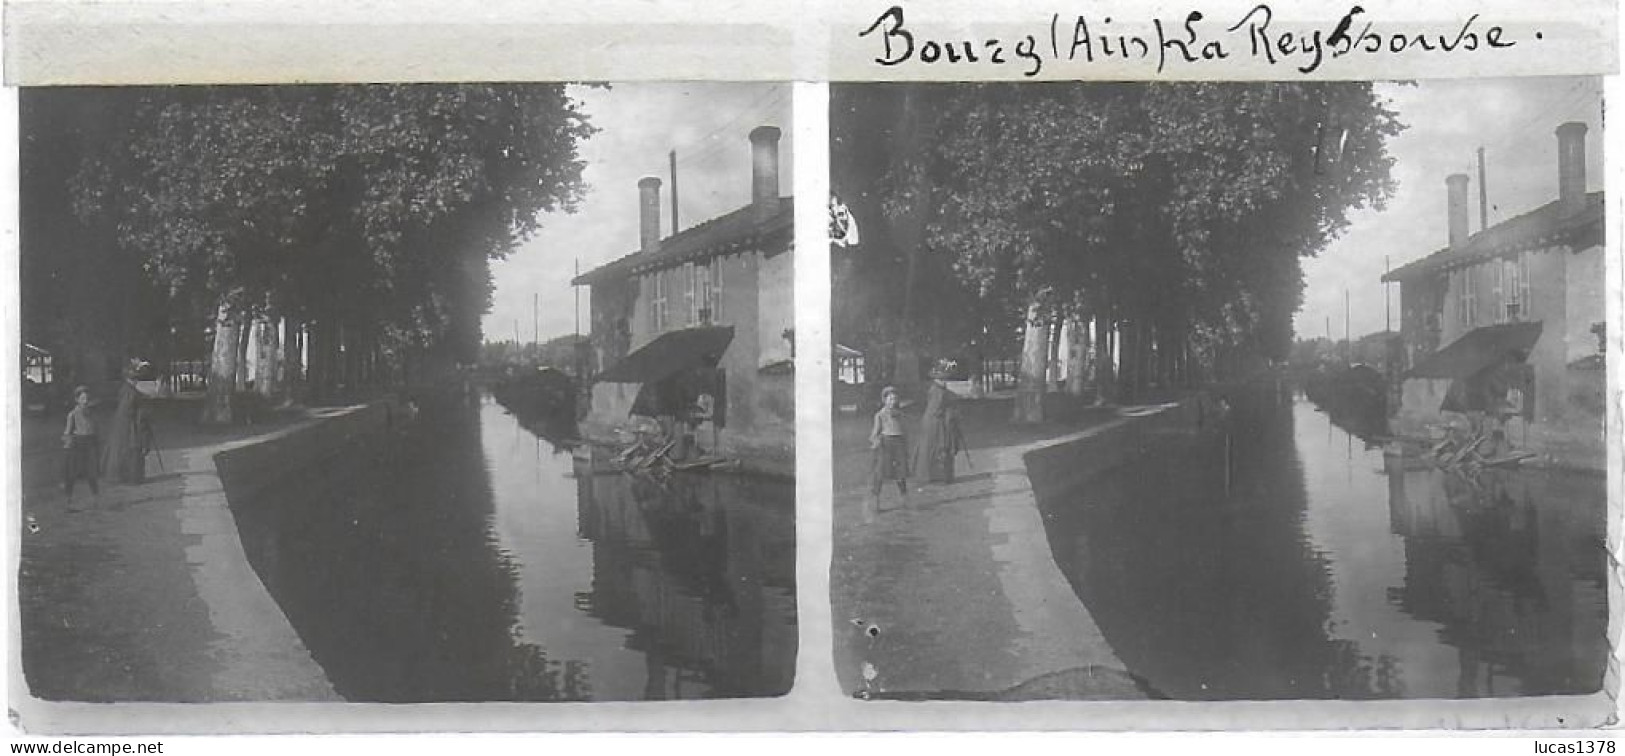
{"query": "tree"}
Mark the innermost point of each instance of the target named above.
(363, 215)
(1173, 216)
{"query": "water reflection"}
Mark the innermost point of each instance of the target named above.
(464, 559)
(1299, 564)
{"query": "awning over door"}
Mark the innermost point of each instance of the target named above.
(1477, 350)
(670, 353)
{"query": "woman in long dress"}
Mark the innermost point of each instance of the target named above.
(934, 454)
(126, 460)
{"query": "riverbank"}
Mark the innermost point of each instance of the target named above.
(143, 592)
(744, 454)
(953, 592)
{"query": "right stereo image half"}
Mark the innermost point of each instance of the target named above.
(1218, 391)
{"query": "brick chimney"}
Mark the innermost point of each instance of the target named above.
(1457, 185)
(648, 214)
(764, 170)
(1571, 167)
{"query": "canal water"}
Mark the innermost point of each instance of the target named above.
(463, 558)
(1291, 561)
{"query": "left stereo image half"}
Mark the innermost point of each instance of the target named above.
(406, 393)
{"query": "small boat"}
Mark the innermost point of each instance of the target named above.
(1356, 397)
(545, 396)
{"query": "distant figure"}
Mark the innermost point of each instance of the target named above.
(126, 461)
(939, 430)
(890, 445)
(1508, 393)
(703, 411)
(79, 445)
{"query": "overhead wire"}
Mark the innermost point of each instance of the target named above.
(1554, 112)
(1570, 102)
(713, 144)
(716, 147)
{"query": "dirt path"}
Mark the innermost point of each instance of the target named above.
(953, 592)
(141, 592)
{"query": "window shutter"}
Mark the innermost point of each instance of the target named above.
(716, 292)
(1499, 293)
(693, 314)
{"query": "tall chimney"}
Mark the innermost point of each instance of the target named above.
(764, 170)
(1571, 167)
(648, 213)
(1457, 183)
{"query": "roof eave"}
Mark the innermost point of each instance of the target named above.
(1442, 260)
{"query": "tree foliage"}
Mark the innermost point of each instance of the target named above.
(313, 193)
(1181, 208)
(373, 206)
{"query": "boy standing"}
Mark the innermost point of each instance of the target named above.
(890, 444)
(79, 441)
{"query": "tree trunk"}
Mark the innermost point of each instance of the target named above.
(1160, 365)
(293, 360)
(1053, 361)
(310, 340)
(1105, 375)
(217, 402)
(244, 329)
(908, 230)
(320, 377)
(1034, 369)
(1077, 356)
(269, 361)
(1129, 362)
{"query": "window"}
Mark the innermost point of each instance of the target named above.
(657, 302)
(1466, 297)
(691, 313)
(1512, 289)
(1498, 295)
(1525, 293)
(1472, 297)
(702, 293)
(716, 290)
(699, 285)
(1518, 304)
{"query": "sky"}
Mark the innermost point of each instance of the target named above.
(1514, 120)
(707, 123)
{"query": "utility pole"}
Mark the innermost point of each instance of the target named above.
(578, 353)
(1348, 340)
(1387, 321)
(535, 323)
(1483, 195)
(674, 223)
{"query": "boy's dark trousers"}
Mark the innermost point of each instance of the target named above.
(892, 449)
(80, 462)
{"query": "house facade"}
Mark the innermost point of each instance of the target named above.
(727, 281)
(1544, 267)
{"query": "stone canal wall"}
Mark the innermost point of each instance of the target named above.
(257, 653)
(1568, 434)
(267, 459)
(1070, 460)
